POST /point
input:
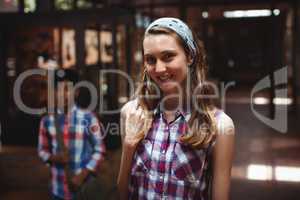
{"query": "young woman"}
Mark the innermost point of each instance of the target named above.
(176, 144)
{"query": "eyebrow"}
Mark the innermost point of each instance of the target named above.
(162, 52)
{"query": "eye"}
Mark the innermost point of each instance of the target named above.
(150, 60)
(168, 57)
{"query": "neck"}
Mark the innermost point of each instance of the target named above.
(65, 109)
(176, 103)
(171, 103)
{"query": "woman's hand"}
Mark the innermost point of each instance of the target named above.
(136, 126)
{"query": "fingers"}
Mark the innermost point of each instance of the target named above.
(135, 122)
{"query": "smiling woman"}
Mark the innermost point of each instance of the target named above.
(165, 61)
(182, 146)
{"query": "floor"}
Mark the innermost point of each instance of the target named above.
(266, 164)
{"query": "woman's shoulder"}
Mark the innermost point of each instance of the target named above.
(224, 122)
(130, 106)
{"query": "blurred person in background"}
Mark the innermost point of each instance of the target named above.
(77, 160)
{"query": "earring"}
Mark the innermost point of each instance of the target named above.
(148, 81)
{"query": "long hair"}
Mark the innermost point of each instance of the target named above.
(201, 125)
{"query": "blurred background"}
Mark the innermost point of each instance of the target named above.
(246, 41)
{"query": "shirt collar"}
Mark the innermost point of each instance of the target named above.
(186, 114)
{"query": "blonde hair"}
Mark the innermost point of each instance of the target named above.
(201, 125)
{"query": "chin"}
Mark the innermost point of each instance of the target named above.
(169, 89)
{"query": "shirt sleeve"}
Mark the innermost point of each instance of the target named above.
(96, 137)
(43, 142)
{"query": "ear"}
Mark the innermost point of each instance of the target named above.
(189, 60)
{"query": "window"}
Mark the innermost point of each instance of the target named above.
(9, 6)
(68, 48)
(64, 4)
(29, 6)
(84, 4)
(92, 47)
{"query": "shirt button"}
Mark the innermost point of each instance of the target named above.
(161, 177)
(163, 151)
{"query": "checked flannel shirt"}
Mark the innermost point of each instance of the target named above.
(83, 138)
(163, 168)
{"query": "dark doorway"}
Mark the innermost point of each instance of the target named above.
(245, 49)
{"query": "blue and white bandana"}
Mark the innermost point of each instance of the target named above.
(178, 27)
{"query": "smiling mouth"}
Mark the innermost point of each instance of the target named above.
(165, 77)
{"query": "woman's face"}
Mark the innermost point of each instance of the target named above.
(165, 61)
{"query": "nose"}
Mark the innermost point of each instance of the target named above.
(160, 67)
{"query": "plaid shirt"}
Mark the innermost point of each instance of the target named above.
(163, 168)
(81, 135)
